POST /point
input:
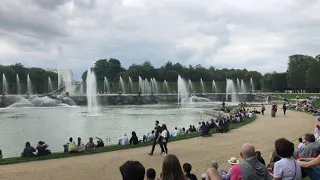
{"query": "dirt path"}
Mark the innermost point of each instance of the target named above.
(198, 151)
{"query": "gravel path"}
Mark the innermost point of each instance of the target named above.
(198, 151)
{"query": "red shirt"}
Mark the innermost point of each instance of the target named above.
(236, 173)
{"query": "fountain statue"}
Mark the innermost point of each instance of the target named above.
(91, 84)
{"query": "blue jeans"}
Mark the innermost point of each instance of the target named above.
(313, 172)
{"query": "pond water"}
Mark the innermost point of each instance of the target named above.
(55, 125)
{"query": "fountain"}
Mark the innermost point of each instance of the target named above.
(4, 84)
(49, 85)
(18, 84)
(121, 85)
(154, 86)
(91, 84)
(231, 90)
(130, 85)
(147, 86)
(202, 86)
(243, 88)
(29, 85)
(141, 85)
(106, 88)
(251, 85)
(214, 87)
(191, 89)
(238, 85)
(183, 93)
(166, 87)
(81, 88)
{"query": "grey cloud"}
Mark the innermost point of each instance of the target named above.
(50, 4)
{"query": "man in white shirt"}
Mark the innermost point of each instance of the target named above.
(124, 140)
(175, 132)
(250, 114)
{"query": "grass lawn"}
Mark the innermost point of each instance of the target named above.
(15, 160)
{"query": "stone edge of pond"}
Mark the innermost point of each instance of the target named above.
(16, 160)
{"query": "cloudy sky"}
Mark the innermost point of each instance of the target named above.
(252, 34)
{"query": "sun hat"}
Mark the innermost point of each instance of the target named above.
(233, 161)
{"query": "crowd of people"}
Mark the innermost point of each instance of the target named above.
(287, 163)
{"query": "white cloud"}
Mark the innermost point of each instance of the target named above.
(257, 35)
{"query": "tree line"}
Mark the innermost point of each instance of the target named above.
(302, 73)
(38, 76)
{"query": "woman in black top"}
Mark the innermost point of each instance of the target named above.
(259, 157)
(134, 138)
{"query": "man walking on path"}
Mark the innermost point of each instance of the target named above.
(284, 107)
(157, 130)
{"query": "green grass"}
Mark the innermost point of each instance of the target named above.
(15, 160)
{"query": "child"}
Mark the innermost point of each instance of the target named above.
(151, 174)
(187, 169)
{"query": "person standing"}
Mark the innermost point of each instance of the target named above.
(284, 108)
(156, 140)
(263, 109)
(164, 140)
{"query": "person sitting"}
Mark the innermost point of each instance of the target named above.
(90, 144)
(312, 148)
(42, 149)
(287, 167)
(194, 129)
(100, 143)
(150, 136)
(70, 146)
(301, 144)
(134, 138)
(80, 146)
(182, 131)
(0, 154)
(187, 171)
(221, 173)
(190, 130)
(150, 174)
(175, 132)
(251, 168)
(260, 158)
(132, 170)
(124, 140)
(28, 151)
(310, 167)
(199, 126)
(204, 130)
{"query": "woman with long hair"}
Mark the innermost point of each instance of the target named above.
(164, 140)
(171, 169)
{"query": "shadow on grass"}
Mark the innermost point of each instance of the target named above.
(15, 160)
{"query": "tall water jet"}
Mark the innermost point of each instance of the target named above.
(4, 84)
(191, 89)
(29, 85)
(243, 86)
(231, 90)
(130, 85)
(18, 84)
(147, 86)
(214, 87)
(141, 85)
(91, 83)
(81, 88)
(106, 88)
(183, 93)
(165, 87)
(238, 85)
(202, 86)
(154, 86)
(121, 85)
(251, 85)
(49, 85)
